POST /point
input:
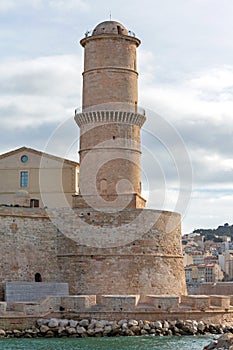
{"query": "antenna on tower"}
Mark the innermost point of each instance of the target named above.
(110, 15)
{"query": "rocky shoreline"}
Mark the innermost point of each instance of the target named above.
(53, 328)
(224, 342)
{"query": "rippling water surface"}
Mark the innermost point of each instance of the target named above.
(118, 343)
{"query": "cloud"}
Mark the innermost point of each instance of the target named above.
(216, 81)
(67, 5)
(58, 138)
(39, 90)
(208, 209)
(54, 75)
(6, 5)
(60, 5)
(199, 107)
(31, 136)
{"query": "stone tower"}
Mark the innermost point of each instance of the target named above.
(113, 244)
(110, 122)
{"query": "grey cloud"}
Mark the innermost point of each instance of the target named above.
(162, 164)
(39, 90)
(208, 136)
(43, 137)
(33, 137)
(54, 75)
(61, 5)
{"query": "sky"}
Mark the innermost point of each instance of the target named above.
(185, 64)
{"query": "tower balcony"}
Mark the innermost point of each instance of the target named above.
(109, 116)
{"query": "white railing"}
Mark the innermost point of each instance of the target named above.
(132, 109)
(90, 33)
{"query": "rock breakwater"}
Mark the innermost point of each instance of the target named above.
(102, 328)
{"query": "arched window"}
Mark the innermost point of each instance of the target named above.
(38, 277)
(103, 186)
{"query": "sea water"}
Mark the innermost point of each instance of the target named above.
(117, 343)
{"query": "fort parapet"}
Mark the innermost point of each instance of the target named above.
(139, 252)
(118, 307)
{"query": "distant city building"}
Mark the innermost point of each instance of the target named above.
(198, 258)
(188, 259)
(196, 274)
(210, 259)
(226, 263)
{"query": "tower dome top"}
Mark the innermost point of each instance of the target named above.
(110, 27)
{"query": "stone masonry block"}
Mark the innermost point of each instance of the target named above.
(196, 301)
(162, 302)
(78, 302)
(2, 307)
(120, 302)
(26, 308)
(221, 301)
(33, 291)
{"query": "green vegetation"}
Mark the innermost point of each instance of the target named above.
(216, 234)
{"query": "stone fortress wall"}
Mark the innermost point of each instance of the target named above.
(133, 261)
(28, 245)
(59, 244)
(207, 309)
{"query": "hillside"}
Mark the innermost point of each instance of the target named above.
(216, 233)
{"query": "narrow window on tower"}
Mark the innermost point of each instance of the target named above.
(103, 186)
(24, 179)
(119, 30)
(38, 277)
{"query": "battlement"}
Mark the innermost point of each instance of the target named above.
(109, 117)
(115, 307)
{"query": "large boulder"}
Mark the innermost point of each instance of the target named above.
(224, 342)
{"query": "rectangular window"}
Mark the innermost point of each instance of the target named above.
(24, 179)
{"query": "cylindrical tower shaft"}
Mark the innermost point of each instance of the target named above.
(110, 71)
(110, 123)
